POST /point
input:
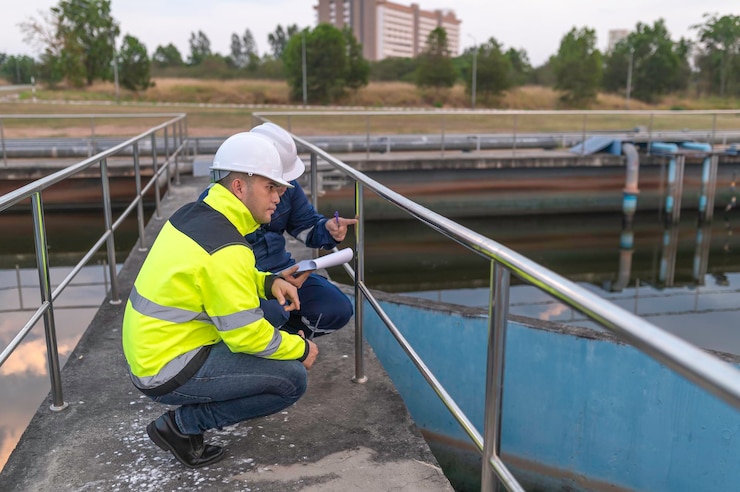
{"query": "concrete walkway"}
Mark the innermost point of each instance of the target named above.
(341, 436)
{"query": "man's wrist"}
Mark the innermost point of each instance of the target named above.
(269, 282)
(305, 351)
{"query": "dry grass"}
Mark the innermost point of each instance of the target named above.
(375, 95)
(216, 108)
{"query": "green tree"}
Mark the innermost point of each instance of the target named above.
(200, 48)
(659, 66)
(394, 68)
(493, 72)
(577, 67)
(326, 64)
(44, 34)
(544, 74)
(435, 69)
(521, 69)
(134, 65)
(167, 56)
(279, 39)
(719, 39)
(87, 31)
(358, 68)
(244, 50)
(270, 68)
(17, 69)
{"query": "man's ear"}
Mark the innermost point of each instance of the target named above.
(238, 187)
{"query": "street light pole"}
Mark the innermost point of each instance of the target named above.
(303, 66)
(629, 76)
(475, 72)
(115, 68)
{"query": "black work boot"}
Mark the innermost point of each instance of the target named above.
(189, 449)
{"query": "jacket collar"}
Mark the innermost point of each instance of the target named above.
(224, 201)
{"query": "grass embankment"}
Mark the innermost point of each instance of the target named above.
(375, 95)
(216, 108)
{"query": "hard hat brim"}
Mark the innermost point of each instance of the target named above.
(283, 182)
(296, 172)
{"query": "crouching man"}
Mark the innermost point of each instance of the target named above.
(193, 334)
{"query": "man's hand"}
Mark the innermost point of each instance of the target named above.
(298, 279)
(313, 352)
(337, 227)
(286, 294)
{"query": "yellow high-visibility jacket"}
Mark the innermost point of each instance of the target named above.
(198, 286)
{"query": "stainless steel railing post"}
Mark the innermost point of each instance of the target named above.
(185, 133)
(359, 265)
(155, 176)
(167, 157)
(115, 298)
(20, 285)
(498, 313)
(93, 146)
(140, 205)
(42, 263)
(175, 136)
(367, 137)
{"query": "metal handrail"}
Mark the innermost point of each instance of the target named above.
(34, 191)
(698, 366)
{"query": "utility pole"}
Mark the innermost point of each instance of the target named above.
(629, 76)
(475, 72)
(303, 63)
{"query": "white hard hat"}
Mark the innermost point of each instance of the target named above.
(293, 166)
(250, 154)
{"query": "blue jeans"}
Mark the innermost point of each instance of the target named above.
(322, 303)
(231, 388)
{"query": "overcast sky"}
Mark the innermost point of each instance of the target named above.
(537, 26)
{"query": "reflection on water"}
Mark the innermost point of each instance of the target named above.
(683, 278)
(705, 315)
(24, 378)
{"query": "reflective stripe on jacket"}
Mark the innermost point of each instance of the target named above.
(198, 286)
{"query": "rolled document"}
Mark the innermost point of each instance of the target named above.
(326, 261)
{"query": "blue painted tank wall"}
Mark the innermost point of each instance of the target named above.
(585, 407)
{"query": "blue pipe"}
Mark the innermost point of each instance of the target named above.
(705, 173)
(668, 149)
(630, 192)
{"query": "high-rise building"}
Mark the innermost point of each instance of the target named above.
(389, 29)
(615, 36)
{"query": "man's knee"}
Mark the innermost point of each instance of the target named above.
(344, 310)
(299, 379)
(337, 314)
